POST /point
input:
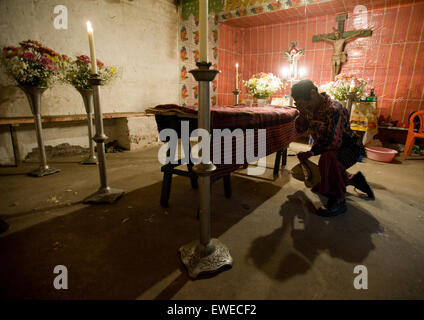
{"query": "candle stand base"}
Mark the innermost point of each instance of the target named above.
(105, 195)
(90, 160)
(43, 171)
(200, 259)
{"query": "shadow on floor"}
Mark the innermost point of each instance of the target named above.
(118, 251)
(347, 237)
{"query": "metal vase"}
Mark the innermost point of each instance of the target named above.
(87, 97)
(34, 98)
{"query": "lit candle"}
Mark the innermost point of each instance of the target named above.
(236, 75)
(92, 51)
(203, 21)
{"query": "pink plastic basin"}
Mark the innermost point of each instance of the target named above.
(380, 154)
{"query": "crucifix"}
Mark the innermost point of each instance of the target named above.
(292, 54)
(339, 39)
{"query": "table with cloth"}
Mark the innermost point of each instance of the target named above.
(278, 121)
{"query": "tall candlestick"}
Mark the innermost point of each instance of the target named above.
(203, 21)
(236, 75)
(92, 51)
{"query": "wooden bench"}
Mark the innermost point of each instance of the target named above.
(13, 122)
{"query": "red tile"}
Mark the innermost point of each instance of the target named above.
(408, 63)
(276, 67)
(317, 66)
(379, 78)
(310, 31)
(247, 67)
(398, 108)
(388, 25)
(313, 9)
(339, 6)
(268, 62)
(368, 73)
(247, 41)
(260, 63)
(417, 83)
(284, 29)
(254, 40)
(253, 65)
(385, 107)
(402, 23)
(327, 8)
(302, 33)
(267, 35)
(276, 38)
(320, 29)
(393, 71)
(417, 21)
(296, 33)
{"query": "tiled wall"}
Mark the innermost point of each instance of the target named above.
(392, 57)
(230, 53)
(188, 42)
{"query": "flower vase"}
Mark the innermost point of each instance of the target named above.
(262, 102)
(33, 94)
(87, 97)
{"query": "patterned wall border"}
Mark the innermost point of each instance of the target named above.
(234, 9)
(188, 39)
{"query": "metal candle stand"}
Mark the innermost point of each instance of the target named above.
(236, 93)
(207, 255)
(87, 96)
(34, 98)
(105, 194)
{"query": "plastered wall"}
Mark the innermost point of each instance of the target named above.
(140, 37)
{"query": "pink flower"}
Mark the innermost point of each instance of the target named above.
(46, 61)
(51, 67)
(84, 58)
(28, 55)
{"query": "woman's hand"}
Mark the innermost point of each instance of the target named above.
(302, 156)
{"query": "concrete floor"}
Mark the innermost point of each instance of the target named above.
(281, 248)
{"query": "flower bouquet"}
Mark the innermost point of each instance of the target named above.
(345, 84)
(77, 72)
(263, 85)
(32, 64)
(34, 68)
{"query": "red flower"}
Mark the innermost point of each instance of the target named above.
(84, 59)
(29, 55)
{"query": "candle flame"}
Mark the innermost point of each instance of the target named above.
(89, 27)
(236, 65)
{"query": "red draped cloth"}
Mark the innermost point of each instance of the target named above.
(278, 121)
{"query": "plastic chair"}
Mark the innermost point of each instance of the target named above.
(412, 135)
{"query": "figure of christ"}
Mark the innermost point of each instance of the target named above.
(339, 55)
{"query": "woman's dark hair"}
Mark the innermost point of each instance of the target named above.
(302, 90)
